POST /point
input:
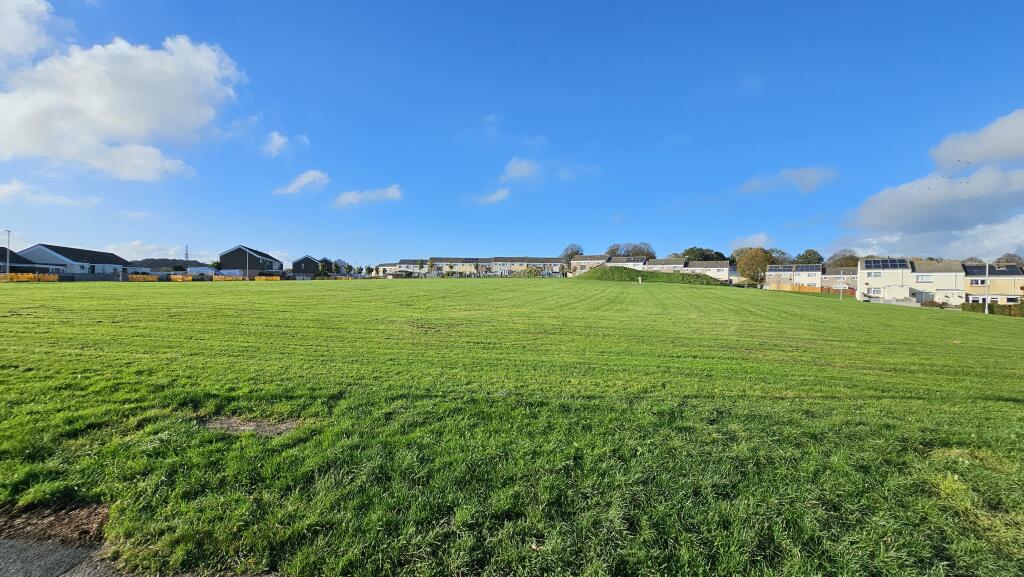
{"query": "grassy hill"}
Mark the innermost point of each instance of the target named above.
(527, 427)
(619, 273)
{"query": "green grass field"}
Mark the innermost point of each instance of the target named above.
(517, 427)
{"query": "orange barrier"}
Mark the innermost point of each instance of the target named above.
(224, 277)
(142, 278)
(181, 278)
(793, 288)
(268, 278)
(27, 277)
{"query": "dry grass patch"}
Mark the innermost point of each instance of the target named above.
(76, 525)
(262, 427)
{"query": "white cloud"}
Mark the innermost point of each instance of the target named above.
(1001, 141)
(105, 107)
(353, 197)
(17, 190)
(275, 144)
(519, 169)
(974, 209)
(314, 178)
(138, 250)
(941, 203)
(806, 179)
(133, 214)
(22, 27)
(756, 239)
(495, 197)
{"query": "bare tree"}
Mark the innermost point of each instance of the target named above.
(843, 257)
(1011, 257)
(568, 252)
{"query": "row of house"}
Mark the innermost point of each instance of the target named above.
(908, 280)
(499, 266)
(55, 259)
(547, 266)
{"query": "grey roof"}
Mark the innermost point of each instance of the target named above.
(628, 259)
(251, 250)
(413, 261)
(674, 261)
(387, 264)
(87, 256)
(939, 266)
(526, 259)
(18, 259)
(300, 259)
(708, 264)
(598, 257)
(840, 271)
(453, 259)
(997, 269)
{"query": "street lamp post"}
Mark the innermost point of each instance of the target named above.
(7, 267)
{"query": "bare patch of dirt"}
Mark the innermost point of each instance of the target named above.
(239, 425)
(78, 525)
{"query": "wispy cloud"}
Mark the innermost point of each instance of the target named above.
(756, 239)
(310, 178)
(519, 169)
(354, 197)
(133, 214)
(277, 143)
(138, 250)
(15, 190)
(571, 173)
(495, 197)
(806, 179)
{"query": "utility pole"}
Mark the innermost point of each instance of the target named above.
(186, 252)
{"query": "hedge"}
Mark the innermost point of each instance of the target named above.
(1005, 310)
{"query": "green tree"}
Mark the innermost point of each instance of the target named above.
(215, 265)
(843, 257)
(752, 264)
(567, 253)
(809, 256)
(780, 256)
(430, 266)
(699, 253)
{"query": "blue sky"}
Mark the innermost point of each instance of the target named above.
(479, 129)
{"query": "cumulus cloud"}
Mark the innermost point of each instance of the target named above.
(15, 190)
(22, 27)
(495, 197)
(519, 169)
(938, 202)
(999, 142)
(354, 197)
(972, 206)
(756, 239)
(106, 107)
(310, 178)
(807, 179)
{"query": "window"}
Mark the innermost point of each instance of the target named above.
(979, 282)
(874, 274)
(1012, 300)
(924, 278)
(875, 292)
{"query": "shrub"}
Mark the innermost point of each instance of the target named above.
(1004, 310)
(620, 273)
(934, 305)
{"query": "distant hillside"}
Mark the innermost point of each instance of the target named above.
(166, 264)
(620, 273)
